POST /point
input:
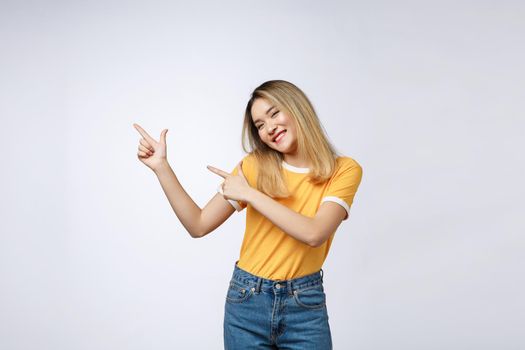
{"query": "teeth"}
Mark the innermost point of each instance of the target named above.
(280, 136)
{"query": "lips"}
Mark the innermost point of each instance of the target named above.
(276, 136)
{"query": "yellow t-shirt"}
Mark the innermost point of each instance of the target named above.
(269, 252)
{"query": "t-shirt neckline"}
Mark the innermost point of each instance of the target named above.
(295, 169)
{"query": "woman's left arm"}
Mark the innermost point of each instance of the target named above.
(312, 231)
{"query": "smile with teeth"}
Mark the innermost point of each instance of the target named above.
(279, 136)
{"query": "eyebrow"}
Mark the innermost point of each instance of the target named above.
(268, 111)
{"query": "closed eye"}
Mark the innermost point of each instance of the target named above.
(273, 116)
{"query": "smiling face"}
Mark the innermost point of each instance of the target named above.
(275, 127)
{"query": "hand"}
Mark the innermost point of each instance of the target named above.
(151, 152)
(234, 187)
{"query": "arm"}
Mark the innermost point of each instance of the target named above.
(312, 231)
(197, 222)
(215, 214)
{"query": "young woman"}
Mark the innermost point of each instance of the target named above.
(296, 190)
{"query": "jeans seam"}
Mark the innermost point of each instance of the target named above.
(318, 306)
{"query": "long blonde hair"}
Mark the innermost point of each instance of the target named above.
(311, 138)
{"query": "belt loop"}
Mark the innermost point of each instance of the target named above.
(258, 285)
(289, 287)
(322, 273)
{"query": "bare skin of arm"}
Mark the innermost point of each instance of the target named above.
(198, 222)
(313, 231)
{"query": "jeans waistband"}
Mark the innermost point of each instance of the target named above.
(257, 283)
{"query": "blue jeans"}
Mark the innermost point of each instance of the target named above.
(261, 313)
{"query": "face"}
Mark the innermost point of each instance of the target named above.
(270, 122)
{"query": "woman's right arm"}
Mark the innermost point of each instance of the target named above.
(198, 222)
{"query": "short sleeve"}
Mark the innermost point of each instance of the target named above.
(238, 205)
(344, 184)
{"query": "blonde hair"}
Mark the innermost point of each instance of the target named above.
(311, 138)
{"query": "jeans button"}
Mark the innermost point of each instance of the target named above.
(278, 286)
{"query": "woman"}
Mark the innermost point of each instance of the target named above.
(297, 190)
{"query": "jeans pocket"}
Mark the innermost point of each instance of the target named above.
(310, 297)
(238, 292)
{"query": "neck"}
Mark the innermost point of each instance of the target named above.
(296, 161)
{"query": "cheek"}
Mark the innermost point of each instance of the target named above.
(292, 128)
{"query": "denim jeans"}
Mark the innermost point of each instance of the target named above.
(290, 314)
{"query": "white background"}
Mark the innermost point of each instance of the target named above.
(426, 95)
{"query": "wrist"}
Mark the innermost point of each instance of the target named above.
(251, 195)
(161, 167)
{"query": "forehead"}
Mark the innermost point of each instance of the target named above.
(260, 108)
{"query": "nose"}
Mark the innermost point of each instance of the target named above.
(271, 129)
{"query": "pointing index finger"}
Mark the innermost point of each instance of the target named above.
(144, 133)
(218, 171)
